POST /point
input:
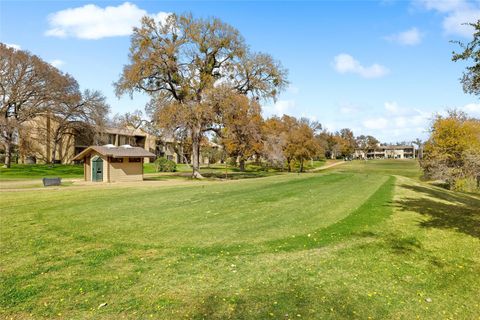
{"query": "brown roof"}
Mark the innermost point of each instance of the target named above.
(116, 152)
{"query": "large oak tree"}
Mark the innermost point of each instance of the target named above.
(181, 63)
(25, 92)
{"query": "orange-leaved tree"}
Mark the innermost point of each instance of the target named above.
(182, 63)
(452, 152)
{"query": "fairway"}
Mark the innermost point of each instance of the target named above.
(359, 240)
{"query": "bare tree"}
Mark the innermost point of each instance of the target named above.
(72, 110)
(25, 91)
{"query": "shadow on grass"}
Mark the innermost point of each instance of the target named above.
(294, 299)
(456, 211)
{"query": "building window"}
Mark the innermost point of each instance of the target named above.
(122, 140)
(134, 159)
(116, 160)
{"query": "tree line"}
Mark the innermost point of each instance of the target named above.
(31, 87)
(204, 80)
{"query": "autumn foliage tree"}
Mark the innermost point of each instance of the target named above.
(181, 63)
(288, 139)
(274, 141)
(242, 132)
(301, 144)
(452, 152)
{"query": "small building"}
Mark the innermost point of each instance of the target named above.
(109, 163)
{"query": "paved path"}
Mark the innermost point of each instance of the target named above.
(328, 166)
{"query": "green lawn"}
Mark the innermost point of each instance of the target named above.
(38, 171)
(360, 240)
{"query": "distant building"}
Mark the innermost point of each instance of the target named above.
(36, 141)
(386, 152)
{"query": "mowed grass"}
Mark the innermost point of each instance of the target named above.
(352, 242)
(38, 171)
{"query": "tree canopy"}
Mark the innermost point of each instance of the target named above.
(470, 52)
(452, 152)
(31, 87)
(184, 62)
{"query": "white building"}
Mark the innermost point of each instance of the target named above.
(386, 152)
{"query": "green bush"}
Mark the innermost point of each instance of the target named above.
(165, 165)
(468, 184)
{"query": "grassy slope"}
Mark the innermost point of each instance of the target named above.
(350, 243)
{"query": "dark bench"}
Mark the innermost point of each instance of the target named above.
(47, 182)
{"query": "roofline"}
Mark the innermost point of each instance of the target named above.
(82, 154)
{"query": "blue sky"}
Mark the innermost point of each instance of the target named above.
(378, 67)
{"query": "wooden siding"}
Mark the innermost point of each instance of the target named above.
(125, 171)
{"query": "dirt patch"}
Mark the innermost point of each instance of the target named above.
(328, 166)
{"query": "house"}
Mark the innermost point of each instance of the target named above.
(110, 163)
(386, 152)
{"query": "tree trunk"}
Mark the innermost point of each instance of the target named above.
(8, 154)
(289, 169)
(301, 164)
(8, 149)
(54, 151)
(196, 154)
(241, 164)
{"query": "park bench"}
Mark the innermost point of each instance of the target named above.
(47, 182)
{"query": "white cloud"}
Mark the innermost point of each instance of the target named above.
(345, 63)
(454, 23)
(57, 63)
(280, 107)
(397, 121)
(376, 123)
(94, 22)
(456, 14)
(472, 109)
(442, 5)
(409, 37)
(392, 107)
(13, 46)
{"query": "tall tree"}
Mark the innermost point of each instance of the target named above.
(72, 110)
(25, 91)
(242, 135)
(180, 64)
(274, 141)
(419, 143)
(471, 52)
(366, 143)
(301, 143)
(348, 142)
